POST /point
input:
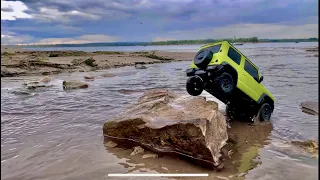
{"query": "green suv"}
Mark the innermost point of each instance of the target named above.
(225, 73)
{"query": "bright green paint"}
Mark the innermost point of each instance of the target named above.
(245, 82)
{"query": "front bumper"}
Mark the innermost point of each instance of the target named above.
(209, 71)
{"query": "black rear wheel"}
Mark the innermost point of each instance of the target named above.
(265, 112)
(195, 85)
(225, 83)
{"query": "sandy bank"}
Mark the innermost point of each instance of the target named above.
(17, 62)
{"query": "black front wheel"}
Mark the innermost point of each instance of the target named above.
(265, 112)
(195, 85)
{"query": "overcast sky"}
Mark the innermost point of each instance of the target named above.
(83, 21)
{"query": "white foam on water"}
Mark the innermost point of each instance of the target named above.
(209, 97)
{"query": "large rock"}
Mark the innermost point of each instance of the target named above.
(169, 124)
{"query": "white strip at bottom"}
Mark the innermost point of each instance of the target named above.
(158, 175)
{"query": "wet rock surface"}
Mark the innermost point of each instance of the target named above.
(167, 124)
(310, 146)
(73, 84)
(310, 107)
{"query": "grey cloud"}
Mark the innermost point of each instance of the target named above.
(8, 9)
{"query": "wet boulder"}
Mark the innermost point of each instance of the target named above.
(73, 84)
(168, 124)
(310, 107)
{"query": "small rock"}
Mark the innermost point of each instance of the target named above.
(91, 62)
(33, 87)
(165, 168)
(30, 83)
(231, 176)
(46, 73)
(88, 77)
(220, 166)
(137, 150)
(149, 156)
(46, 79)
(221, 177)
(111, 144)
(21, 93)
(73, 84)
(108, 75)
(140, 66)
(241, 174)
(178, 69)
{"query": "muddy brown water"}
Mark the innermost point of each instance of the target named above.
(53, 134)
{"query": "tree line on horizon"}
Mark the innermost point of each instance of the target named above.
(180, 42)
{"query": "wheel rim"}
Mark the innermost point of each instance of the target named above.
(196, 84)
(265, 113)
(226, 84)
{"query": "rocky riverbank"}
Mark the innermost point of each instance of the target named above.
(17, 62)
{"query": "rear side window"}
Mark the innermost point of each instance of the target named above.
(234, 55)
(251, 70)
(215, 48)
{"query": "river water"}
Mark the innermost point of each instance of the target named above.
(53, 134)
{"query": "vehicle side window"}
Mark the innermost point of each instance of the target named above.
(251, 70)
(215, 49)
(234, 55)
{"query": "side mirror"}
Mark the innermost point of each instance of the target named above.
(261, 79)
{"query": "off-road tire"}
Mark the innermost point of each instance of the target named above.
(195, 85)
(203, 58)
(225, 83)
(265, 112)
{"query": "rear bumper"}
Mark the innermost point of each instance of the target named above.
(209, 71)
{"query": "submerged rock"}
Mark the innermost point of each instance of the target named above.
(137, 150)
(111, 144)
(21, 92)
(73, 84)
(140, 66)
(46, 79)
(149, 156)
(309, 146)
(89, 77)
(108, 75)
(168, 124)
(310, 107)
(35, 85)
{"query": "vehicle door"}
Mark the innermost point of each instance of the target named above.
(251, 74)
(238, 63)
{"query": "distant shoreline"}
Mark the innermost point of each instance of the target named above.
(173, 42)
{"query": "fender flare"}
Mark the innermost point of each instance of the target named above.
(226, 66)
(263, 96)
